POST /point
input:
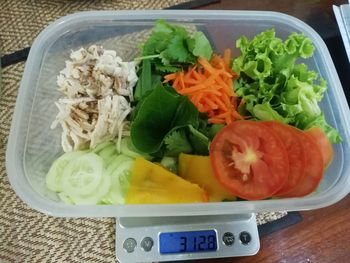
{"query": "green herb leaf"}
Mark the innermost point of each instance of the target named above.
(176, 142)
(175, 45)
(176, 51)
(199, 45)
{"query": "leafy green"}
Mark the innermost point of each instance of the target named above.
(168, 49)
(153, 119)
(199, 141)
(266, 112)
(145, 82)
(177, 142)
(214, 129)
(185, 114)
(275, 87)
(174, 44)
(166, 124)
(161, 112)
(199, 45)
(186, 139)
(305, 122)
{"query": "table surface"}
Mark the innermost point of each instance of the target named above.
(324, 234)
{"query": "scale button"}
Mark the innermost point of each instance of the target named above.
(228, 239)
(129, 245)
(147, 244)
(245, 237)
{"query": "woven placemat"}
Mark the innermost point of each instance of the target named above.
(22, 20)
(25, 234)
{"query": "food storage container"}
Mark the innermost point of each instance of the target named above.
(33, 146)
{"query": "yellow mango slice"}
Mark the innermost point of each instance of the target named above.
(153, 184)
(197, 169)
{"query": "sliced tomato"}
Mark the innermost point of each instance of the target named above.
(295, 150)
(323, 143)
(249, 160)
(313, 168)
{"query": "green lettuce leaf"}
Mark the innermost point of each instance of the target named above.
(266, 113)
(275, 87)
(306, 122)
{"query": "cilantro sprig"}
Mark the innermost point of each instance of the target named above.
(169, 48)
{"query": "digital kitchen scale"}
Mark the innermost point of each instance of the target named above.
(185, 237)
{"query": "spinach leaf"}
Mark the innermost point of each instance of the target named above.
(185, 114)
(144, 83)
(153, 119)
(160, 113)
(199, 141)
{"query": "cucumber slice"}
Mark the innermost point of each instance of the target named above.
(101, 146)
(108, 151)
(109, 160)
(54, 176)
(116, 162)
(94, 197)
(83, 175)
(120, 171)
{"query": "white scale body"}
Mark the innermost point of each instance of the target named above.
(138, 239)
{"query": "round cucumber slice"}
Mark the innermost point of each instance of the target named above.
(83, 175)
(54, 176)
(108, 151)
(116, 162)
(96, 196)
(119, 171)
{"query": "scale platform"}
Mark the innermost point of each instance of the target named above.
(185, 238)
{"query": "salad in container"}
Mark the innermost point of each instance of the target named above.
(164, 113)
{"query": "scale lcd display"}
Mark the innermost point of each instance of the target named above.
(188, 242)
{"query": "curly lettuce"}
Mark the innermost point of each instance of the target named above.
(276, 87)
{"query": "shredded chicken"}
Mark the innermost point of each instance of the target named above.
(98, 89)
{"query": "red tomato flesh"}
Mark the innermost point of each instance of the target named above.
(313, 168)
(296, 155)
(249, 160)
(323, 144)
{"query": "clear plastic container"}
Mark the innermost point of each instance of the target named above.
(33, 146)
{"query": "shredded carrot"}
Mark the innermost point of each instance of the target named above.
(209, 85)
(227, 56)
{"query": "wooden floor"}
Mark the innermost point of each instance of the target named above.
(324, 234)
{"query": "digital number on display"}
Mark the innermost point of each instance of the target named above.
(188, 242)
